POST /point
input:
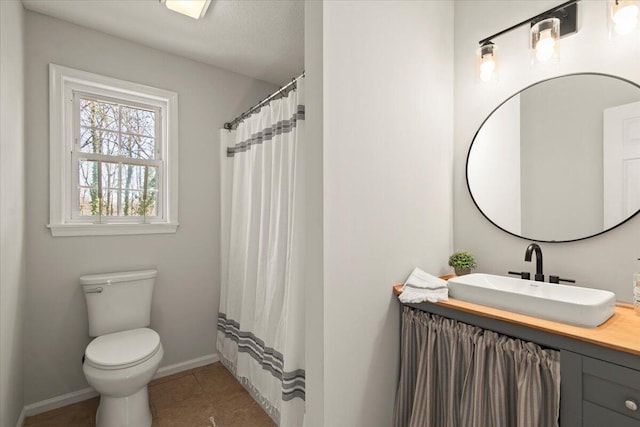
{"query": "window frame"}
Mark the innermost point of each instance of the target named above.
(66, 85)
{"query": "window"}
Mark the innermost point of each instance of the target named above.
(113, 156)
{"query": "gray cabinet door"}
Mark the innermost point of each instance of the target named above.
(611, 386)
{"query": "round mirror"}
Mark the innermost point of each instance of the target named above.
(560, 160)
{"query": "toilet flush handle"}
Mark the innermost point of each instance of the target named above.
(94, 290)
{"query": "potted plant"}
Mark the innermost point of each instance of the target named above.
(462, 262)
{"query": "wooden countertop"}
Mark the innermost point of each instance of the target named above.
(621, 332)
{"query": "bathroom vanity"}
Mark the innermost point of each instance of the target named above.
(600, 367)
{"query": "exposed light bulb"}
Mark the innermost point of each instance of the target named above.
(545, 36)
(625, 19)
(546, 46)
(486, 62)
(487, 68)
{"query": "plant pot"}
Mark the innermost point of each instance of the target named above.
(460, 272)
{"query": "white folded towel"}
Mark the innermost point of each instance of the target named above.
(421, 286)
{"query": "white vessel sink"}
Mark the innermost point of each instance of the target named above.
(567, 304)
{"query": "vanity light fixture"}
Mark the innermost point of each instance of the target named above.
(545, 40)
(623, 16)
(192, 8)
(487, 64)
(546, 30)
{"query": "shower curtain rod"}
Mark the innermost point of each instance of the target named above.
(280, 92)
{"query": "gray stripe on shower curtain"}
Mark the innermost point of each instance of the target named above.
(458, 375)
(293, 383)
(267, 134)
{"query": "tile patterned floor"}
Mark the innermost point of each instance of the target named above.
(186, 399)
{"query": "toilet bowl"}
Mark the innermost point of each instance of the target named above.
(119, 366)
(125, 355)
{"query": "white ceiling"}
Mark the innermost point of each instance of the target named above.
(263, 39)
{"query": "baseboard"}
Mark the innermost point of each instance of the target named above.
(88, 393)
(59, 401)
(21, 418)
(189, 364)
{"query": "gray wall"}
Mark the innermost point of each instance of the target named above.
(12, 211)
(185, 303)
(606, 261)
(387, 167)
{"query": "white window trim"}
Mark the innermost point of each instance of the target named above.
(62, 80)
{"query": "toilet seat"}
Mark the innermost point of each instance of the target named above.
(123, 349)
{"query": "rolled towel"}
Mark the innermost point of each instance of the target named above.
(421, 286)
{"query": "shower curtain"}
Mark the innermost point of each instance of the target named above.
(260, 330)
(458, 375)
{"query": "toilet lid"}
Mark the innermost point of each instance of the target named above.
(120, 349)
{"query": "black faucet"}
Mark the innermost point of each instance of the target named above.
(527, 257)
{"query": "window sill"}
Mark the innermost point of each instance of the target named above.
(62, 230)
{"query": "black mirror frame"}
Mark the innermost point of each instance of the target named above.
(466, 169)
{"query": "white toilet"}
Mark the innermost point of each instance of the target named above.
(125, 355)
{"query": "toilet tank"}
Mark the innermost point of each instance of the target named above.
(118, 301)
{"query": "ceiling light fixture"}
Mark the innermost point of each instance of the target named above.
(192, 8)
(546, 29)
(623, 16)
